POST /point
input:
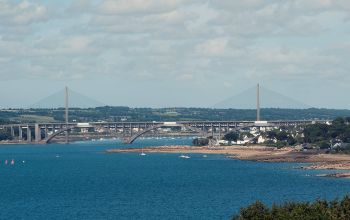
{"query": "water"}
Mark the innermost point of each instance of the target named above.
(80, 181)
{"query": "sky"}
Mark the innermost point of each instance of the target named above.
(167, 53)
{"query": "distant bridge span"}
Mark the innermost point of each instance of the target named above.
(130, 140)
(49, 138)
(45, 132)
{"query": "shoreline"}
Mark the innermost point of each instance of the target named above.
(317, 160)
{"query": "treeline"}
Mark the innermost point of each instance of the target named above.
(334, 136)
(320, 210)
(326, 136)
(115, 114)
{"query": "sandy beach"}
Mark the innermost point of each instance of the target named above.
(260, 153)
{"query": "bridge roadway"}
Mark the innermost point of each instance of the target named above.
(44, 132)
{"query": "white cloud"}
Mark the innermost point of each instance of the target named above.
(138, 6)
(172, 40)
(214, 47)
(23, 13)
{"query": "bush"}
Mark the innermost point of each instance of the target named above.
(320, 210)
(200, 142)
(232, 136)
(323, 145)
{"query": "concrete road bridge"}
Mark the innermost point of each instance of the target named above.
(44, 133)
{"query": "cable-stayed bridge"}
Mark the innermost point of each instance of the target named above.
(242, 100)
(268, 99)
(45, 132)
(76, 100)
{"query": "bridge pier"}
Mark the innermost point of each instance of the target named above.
(37, 132)
(12, 132)
(46, 131)
(29, 134)
(20, 133)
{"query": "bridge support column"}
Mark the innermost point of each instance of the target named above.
(20, 133)
(37, 131)
(212, 130)
(29, 134)
(46, 131)
(130, 129)
(12, 132)
(219, 131)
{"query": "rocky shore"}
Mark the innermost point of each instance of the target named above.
(320, 161)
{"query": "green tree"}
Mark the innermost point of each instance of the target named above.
(200, 142)
(255, 211)
(231, 136)
(5, 135)
(318, 210)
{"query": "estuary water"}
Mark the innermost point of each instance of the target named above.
(81, 181)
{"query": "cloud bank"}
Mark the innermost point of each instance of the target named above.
(177, 41)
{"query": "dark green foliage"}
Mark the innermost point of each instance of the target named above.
(111, 114)
(231, 136)
(323, 145)
(318, 210)
(322, 135)
(254, 212)
(200, 142)
(5, 134)
(344, 149)
(283, 138)
(291, 141)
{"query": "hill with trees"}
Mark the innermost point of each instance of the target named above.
(115, 114)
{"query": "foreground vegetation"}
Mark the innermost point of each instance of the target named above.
(318, 210)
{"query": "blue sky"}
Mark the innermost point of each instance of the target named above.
(165, 53)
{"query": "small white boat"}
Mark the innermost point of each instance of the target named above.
(142, 153)
(184, 156)
(12, 162)
(205, 155)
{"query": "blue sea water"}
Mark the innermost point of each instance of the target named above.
(81, 181)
